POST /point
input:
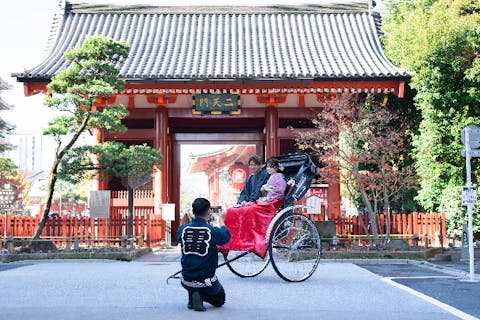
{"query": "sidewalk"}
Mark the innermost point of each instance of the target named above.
(461, 266)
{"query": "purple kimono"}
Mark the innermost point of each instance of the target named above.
(278, 185)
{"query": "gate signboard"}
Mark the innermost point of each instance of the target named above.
(99, 204)
(316, 198)
(216, 103)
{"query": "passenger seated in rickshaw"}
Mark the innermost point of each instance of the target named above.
(248, 224)
(257, 178)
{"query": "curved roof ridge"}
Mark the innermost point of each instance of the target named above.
(149, 6)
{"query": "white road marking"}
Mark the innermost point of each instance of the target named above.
(454, 311)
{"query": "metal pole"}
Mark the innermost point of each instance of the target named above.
(106, 234)
(169, 233)
(469, 206)
(441, 233)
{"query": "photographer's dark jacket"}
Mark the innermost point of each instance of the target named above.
(199, 242)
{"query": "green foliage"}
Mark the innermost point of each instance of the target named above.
(80, 92)
(93, 71)
(93, 75)
(7, 167)
(70, 192)
(9, 174)
(440, 41)
(113, 159)
(77, 91)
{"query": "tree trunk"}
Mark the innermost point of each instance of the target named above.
(371, 215)
(53, 176)
(360, 215)
(386, 204)
(48, 203)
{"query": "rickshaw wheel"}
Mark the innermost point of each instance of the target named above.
(294, 247)
(250, 265)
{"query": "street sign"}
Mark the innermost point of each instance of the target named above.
(474, 136)
(475, 153)
(7, 197)
(168, 211)
(469, 196)
(464, 255)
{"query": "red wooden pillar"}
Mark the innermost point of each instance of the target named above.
(161, 143)
(271, 132)
(8, 223)
(444, 228)
(174, 186)
(333, 200)
(210, 185)
(214, 185)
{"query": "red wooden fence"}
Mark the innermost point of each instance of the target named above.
(150, 229)
(428, 228)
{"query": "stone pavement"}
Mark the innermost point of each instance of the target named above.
(105, 289)
(101, 289)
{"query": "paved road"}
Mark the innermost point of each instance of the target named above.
(137, 290)
(442, 283)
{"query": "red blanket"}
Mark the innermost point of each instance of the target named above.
(248, 226)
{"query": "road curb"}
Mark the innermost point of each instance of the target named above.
(128, 255)
(444, 269)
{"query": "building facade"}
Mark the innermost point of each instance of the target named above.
(226, 75)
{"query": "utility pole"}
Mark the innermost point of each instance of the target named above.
(471, 140)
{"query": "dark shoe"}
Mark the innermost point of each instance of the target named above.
(189, 305)
(197, 302)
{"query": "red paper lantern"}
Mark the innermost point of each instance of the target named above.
(238, 174)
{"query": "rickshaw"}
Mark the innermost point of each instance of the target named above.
(294, 245)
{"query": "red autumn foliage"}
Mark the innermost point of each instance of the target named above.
(361, 144)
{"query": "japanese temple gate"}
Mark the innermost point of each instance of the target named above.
(226, 75)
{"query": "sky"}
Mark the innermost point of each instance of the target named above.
(25, 26)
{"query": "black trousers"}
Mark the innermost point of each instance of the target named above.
(214, 294)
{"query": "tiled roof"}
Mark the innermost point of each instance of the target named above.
(4, 85)
(3, 104)
(221, 43)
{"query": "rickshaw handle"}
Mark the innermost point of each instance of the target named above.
(175, 275)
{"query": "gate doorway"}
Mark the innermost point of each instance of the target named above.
(213, 171)
(203, 165)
